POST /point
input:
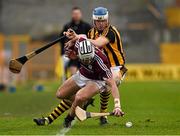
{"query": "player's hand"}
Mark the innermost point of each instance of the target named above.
(71, 54)
(69, 45)
(70, 34)
(118, 112)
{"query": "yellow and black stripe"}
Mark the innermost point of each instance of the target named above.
(61, 108)
(104, 100)
(113, 50)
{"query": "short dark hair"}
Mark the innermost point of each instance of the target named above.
(76, 8)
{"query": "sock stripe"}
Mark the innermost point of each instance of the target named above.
(102, 97)
(105, 94)
(104, 104)
(65, 105)
(103, 108)
(60, 109)
(52, 116)
(57, 112)
(49, 119)
(104, 101)
(54, 113)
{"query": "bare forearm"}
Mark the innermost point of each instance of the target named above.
(100, 41)
(96, 43)
(115, 92)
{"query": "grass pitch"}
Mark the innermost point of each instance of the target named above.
(152, 107)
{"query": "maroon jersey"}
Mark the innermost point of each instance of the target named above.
(98, 69)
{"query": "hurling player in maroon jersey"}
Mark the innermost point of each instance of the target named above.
(93, 77)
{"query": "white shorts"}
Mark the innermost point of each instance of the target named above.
(81, 81)
(115, 70)
(116, 74)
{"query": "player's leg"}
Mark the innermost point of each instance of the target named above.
(104, 100)
(81, 96)
(74, 65)
(64, 92)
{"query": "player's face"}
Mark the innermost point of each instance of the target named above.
(101, 24)
(76, 15)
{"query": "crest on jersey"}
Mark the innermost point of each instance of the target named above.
(90, 66)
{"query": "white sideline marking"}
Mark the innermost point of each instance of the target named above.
(65, 130)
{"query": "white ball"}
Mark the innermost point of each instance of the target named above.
(128, 124)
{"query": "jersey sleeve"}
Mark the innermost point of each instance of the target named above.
(110, 36)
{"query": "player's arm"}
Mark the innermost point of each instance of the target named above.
(103, 40)
(115, 93)
(108, 78)
(99, 42)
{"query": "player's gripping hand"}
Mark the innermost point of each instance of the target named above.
(70, 34)
(118, 112)
(69, 45)
(71, 54)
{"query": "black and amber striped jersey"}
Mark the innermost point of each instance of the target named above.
(113, 49)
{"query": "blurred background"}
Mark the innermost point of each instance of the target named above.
(150, 31)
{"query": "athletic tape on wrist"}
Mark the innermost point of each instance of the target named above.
(117, 103)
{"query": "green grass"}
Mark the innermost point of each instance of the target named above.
(152, 107)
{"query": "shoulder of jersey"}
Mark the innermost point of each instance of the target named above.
(114, 28)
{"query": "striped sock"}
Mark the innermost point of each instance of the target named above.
(60, 109)
(104, 100)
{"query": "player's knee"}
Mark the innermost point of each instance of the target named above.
(60, 95)
(80, 98)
